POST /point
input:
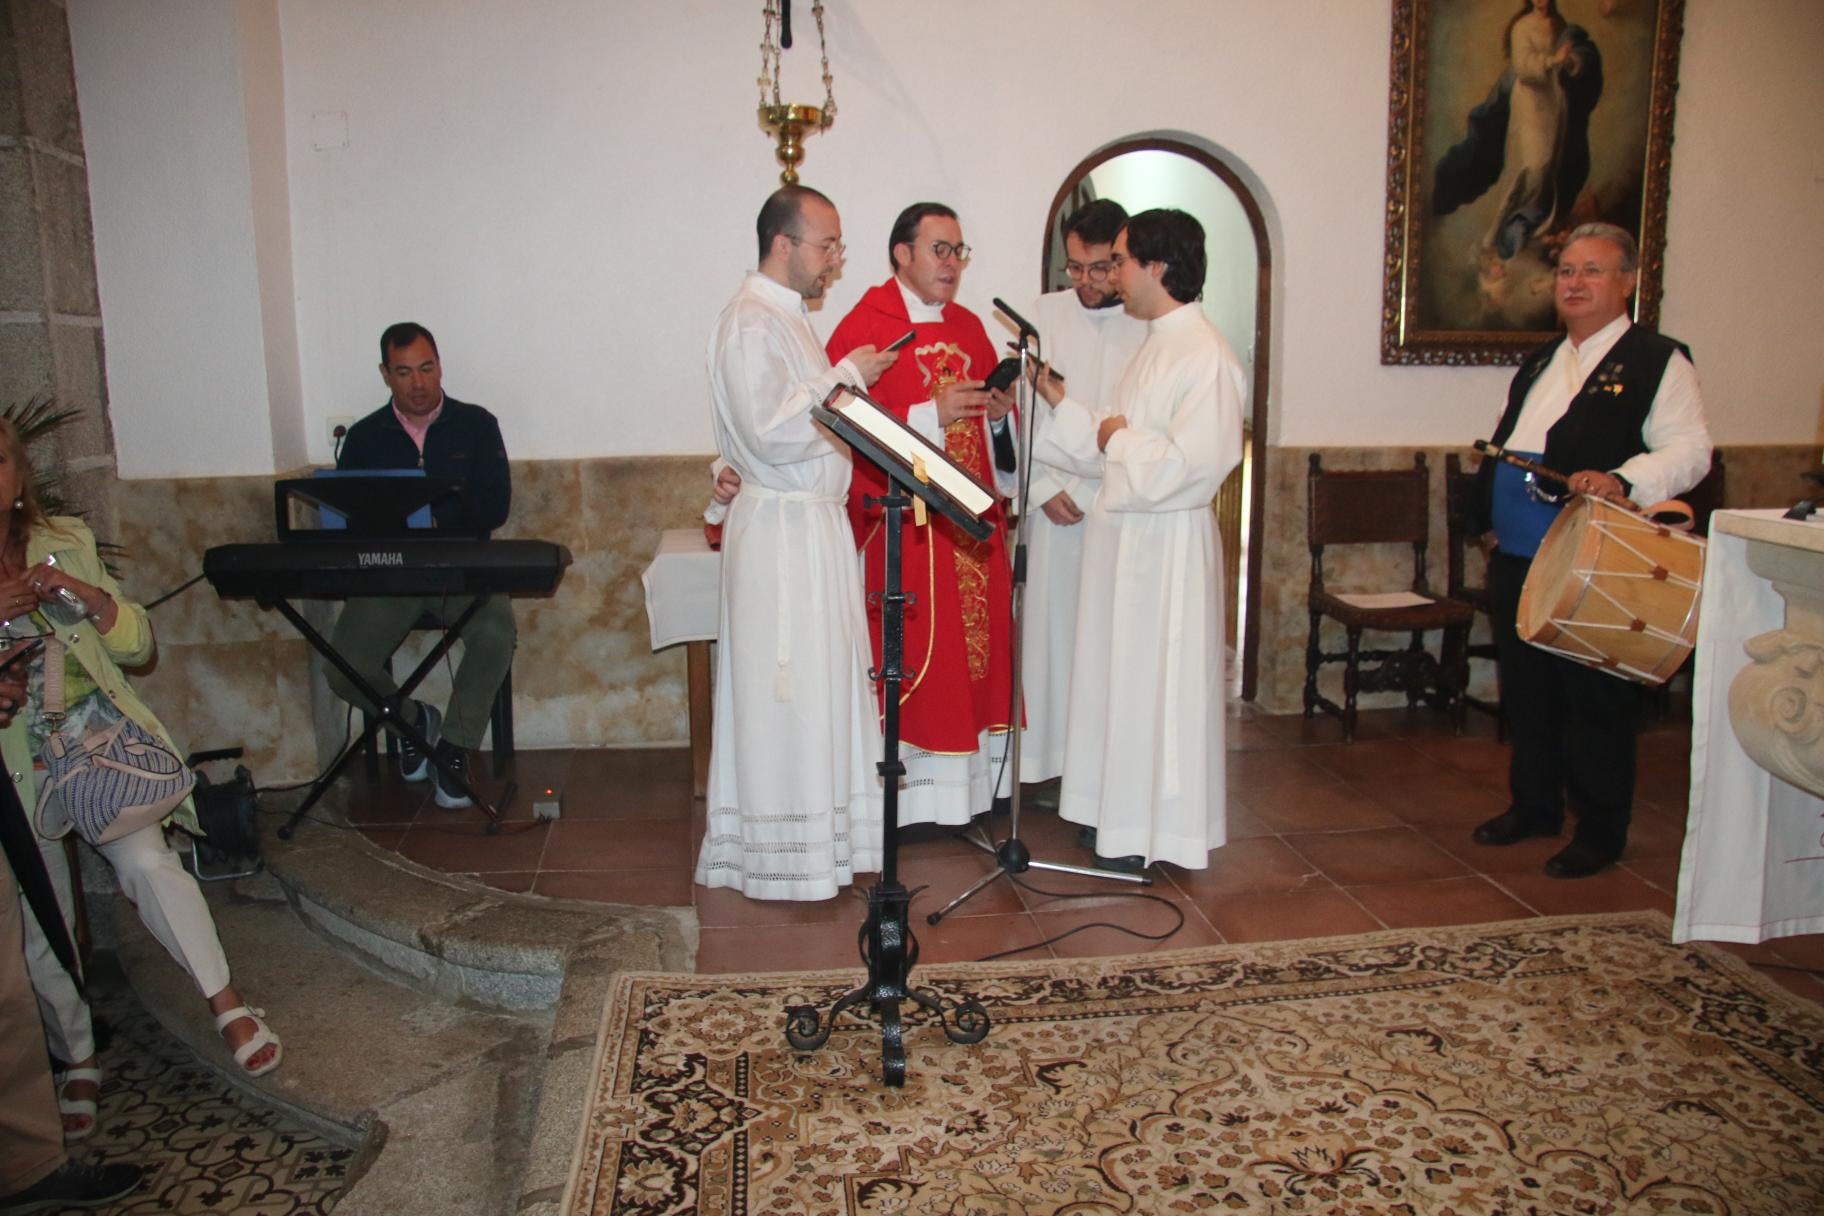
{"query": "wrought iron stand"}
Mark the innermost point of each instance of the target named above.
(888, 948)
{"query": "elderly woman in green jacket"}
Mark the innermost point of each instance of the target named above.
(44, 560)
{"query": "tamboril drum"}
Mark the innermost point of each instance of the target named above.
(1614, 590)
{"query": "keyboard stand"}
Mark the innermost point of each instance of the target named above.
(386, 713)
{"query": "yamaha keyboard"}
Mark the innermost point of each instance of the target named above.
(351, 567)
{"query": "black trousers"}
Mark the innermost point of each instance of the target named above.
(1572, 727)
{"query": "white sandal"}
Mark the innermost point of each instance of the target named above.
(81, 1107)
(262, 1037)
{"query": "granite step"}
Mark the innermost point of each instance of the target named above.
(445, 1029)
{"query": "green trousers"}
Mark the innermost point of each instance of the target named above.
(370, 630)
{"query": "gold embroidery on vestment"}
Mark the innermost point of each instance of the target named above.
(944, 363)
(962, 442)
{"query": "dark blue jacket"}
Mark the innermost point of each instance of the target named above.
(464, 442)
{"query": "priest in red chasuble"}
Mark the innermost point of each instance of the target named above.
(957, 705)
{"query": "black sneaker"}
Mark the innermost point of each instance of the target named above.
(452, 761)
(414, 765)
(74, 1185)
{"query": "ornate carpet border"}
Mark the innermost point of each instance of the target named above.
(949, 977)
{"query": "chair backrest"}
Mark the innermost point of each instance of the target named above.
(1368, 507)
(1460, 522)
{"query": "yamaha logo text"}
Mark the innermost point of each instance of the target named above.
(389, 557)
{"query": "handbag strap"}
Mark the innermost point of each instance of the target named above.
(53, 708)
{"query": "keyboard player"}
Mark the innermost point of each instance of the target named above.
(421, 428)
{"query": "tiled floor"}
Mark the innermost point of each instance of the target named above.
(1324, 838)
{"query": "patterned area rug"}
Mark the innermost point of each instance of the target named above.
(205, 1148)
(1570, 1064)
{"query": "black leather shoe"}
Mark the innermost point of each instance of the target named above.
(1511, 827)
(1579, 859)
(1133, 863)
(74, 1184)
(1086, 839)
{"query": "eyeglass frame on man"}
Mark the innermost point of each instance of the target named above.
(943, 251)
(1095, 272)
(831, 247)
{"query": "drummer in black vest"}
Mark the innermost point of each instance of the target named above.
(1616, 407)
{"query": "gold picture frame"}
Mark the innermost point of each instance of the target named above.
(1508, 124)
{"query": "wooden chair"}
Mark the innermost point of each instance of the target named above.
(1460, 530)
(1381, 507)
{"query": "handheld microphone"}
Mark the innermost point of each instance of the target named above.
(1026, 326)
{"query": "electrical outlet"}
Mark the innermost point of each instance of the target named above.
(331, 423)
(547, 804)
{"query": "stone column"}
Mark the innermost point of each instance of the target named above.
(50, 310)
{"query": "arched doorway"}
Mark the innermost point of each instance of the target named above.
(1156, 171)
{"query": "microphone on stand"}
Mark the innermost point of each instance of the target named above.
(1026, 327)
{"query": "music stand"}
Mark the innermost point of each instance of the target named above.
(915, 469)
(375, 504)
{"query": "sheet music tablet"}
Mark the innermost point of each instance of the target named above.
(867, 416)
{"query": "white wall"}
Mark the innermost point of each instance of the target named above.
(170, 184)
(564, 191)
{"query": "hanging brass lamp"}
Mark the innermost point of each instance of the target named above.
(790, 124)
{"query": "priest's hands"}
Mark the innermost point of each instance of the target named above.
(1049, 386)
(1110, 424)
(728, 484)
(961, 399)
(871, 363)
(1061, 509)
(1000, 404)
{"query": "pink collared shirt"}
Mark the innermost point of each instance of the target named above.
(414, 427)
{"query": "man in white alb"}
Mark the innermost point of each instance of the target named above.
(794, 800)
(1089, 338)
(1143, 760)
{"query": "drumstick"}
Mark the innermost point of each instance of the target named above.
(1671, 513)
(1521, 462)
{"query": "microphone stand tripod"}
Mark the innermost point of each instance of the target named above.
(1012, 856)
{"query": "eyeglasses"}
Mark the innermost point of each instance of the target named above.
(1117, 260)
(1567, 272)
(831, 248)
(1092, 272)
(944, 250)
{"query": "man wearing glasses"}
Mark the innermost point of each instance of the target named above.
(794, 803)
(1616, 406)
(1087, 334)
(959, 704)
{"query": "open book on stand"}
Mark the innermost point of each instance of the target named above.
(906, 448)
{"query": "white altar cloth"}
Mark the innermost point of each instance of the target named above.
(1753, 864)
(683, 586)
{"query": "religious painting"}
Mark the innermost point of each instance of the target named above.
(1511, 122)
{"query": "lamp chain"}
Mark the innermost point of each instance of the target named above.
(829, 85)
(770, 59)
